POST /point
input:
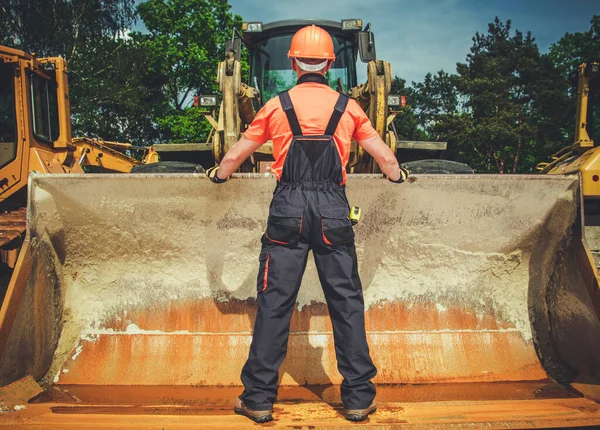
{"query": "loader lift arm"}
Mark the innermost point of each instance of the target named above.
(588, 90)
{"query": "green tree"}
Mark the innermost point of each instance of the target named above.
(406, 123)
(505, 108)
(436, 96)
(576, 48)
(506, 83)
(443, 113)
(62, 27)
(114, 95)
(567, 54)
(186, 40)
(128, 86)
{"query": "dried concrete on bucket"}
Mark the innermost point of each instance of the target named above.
(136, 241)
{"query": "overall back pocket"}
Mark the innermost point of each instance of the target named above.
(285, 224)
(336, 225)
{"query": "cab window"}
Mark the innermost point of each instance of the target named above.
(45, 108)
(271, 68)
(8, 120)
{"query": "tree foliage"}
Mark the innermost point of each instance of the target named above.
(115, 95)
(186, 39)
(568, 54)
(406, 123)
(124, 85)
(499, 81)
(576, 48)
(62, 27)
(504, 109)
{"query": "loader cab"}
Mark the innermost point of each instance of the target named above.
(35, 129)
(270, 67)
(8, 118)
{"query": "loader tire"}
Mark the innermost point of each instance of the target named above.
(433, 166)
(168, 167)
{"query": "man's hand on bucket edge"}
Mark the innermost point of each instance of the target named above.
(404, 174)
(212, 174)
(232, 160)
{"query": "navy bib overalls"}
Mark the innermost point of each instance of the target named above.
(309, 211)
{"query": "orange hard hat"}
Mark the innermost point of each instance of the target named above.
(312, 42)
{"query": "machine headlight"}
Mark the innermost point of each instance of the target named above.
(351, 24)
(205, 101)
(252, 27)
(396, 100)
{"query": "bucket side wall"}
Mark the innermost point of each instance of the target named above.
(37, 325)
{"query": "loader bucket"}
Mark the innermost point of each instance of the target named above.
(150, 280)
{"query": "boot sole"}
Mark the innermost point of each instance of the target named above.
(260, 420)
(357, 418)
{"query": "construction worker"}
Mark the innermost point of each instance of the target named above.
(311, 127)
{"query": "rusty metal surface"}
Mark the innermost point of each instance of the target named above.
(506, 405)
(210, 396)
(177, 345)
(31, 316)
(150, 280)
(462, 277)
(158, 275)
(12, 226)
(13, 299)
(18, 393)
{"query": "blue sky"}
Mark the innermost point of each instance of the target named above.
(423, 36)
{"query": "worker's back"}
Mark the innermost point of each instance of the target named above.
(314, 103)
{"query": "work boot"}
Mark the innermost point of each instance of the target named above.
(256, 416)
(359, 414)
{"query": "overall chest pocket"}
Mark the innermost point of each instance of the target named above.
(285, 224)
(336, 225)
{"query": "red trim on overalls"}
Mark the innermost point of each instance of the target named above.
(266, 274)
(327, 242)
(276, 241)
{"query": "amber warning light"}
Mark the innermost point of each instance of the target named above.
(394, 100)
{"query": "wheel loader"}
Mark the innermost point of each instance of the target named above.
(133, 299)
(35, 136)
(582, 156)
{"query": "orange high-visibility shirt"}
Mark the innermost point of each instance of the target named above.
(313, 103)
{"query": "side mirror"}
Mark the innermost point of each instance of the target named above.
(234, 46)
(366, 46)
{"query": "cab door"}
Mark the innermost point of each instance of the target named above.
(10, 153)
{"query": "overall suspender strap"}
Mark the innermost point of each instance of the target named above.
(288, 108)
(338, 111)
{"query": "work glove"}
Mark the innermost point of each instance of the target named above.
(212, 175)
(404, 173)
